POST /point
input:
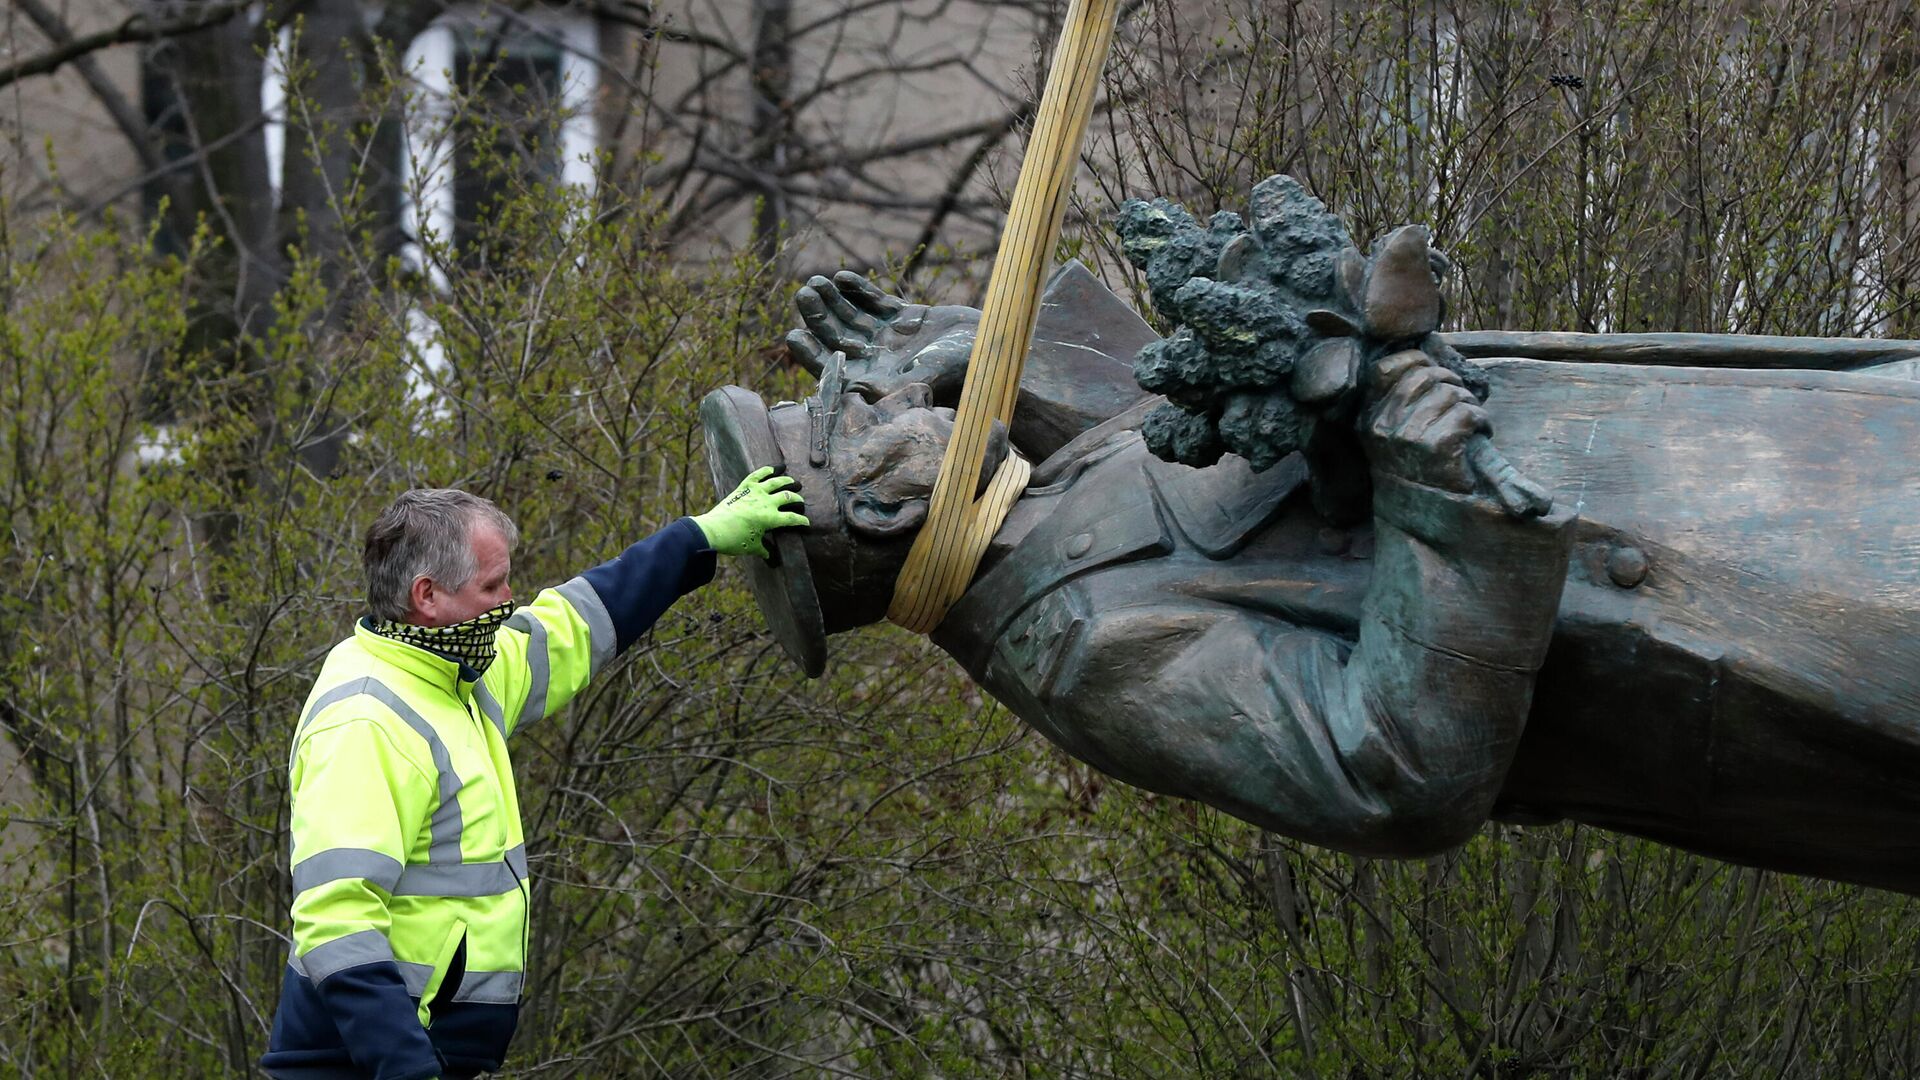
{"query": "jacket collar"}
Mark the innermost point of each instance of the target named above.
(430, 667)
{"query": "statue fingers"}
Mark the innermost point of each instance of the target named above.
(807, 351)
(813, 312)
(1470, 415)
(1451, 430)
(1417, 382)
(909, 319)
(867, 296)
(1434, 403)
(827, 327)
(1517, 492)
(1397, 403)
(1390, 369)
(855, 320)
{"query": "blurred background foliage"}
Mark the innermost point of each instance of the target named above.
(739, 872)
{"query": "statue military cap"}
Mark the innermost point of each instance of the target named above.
(740, 435)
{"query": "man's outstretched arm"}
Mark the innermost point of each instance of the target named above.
(551, 648)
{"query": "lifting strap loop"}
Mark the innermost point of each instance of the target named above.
(955, 536)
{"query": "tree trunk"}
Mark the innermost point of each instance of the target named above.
(772, 133)
(1901, 160)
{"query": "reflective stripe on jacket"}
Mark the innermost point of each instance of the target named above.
(410, 907)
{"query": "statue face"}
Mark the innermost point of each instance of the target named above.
(872, 496)
(886, 457)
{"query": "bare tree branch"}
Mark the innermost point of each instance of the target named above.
(131, 124)
(135, 28)
(166, 169)
(640, 18)
(950, 198)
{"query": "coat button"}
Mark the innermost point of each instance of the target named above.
(1079, 544)
(1627, 566)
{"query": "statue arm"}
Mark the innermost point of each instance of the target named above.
(1395, 744)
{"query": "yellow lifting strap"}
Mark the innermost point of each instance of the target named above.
(958, 528)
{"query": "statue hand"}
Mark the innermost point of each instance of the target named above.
(1421, 421)
(889, 343)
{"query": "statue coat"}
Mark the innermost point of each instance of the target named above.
(1732, 663)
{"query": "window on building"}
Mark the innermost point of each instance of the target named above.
(529, 82)
(502, 100)
(508, 131)
(505, 101)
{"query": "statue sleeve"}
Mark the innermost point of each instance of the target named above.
(1456, 623)
(1394, 744)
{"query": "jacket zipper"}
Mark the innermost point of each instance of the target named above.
(526, 898)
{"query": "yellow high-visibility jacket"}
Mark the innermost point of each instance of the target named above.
(411, 892)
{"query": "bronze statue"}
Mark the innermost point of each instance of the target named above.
(1712, 639)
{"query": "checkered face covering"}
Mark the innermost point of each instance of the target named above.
(470, 642)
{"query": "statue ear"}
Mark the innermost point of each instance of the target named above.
(871, 516)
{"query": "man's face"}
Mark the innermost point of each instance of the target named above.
(436, 605)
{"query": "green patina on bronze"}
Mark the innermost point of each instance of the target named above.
(1712, 640)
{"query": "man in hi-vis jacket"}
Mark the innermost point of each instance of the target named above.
(410, 890)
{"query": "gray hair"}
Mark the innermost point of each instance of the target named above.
(426, 532)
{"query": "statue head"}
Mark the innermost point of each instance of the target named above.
(866, 471)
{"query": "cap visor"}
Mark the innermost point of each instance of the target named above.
(739, 440)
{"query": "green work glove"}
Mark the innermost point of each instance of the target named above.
(742, 518)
